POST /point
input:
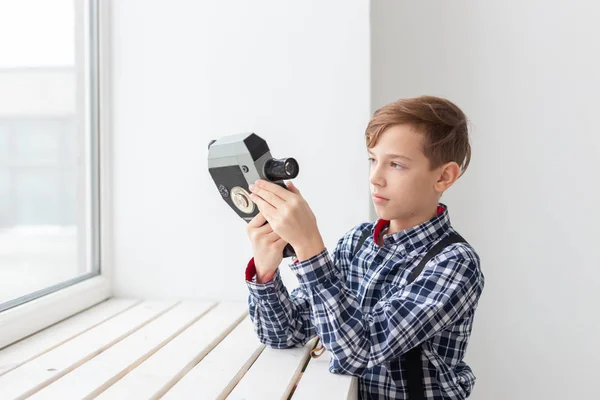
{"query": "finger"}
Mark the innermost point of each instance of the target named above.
(258, 221)
(292, 188)
(272, 237)
(265, 208)
(263, 230)
(269, 197)
(282, 193)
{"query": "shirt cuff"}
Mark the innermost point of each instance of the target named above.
(266, 291)
(314, 270)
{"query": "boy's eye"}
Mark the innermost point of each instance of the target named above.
(393, 164)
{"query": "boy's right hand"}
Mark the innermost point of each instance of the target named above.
(267, 247)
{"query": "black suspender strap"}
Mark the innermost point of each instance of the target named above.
(414, 364)
(435, 250)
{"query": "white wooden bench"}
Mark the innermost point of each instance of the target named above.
(132, 349)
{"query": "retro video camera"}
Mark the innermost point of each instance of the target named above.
(236, 161)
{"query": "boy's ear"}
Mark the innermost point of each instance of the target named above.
(448, 174)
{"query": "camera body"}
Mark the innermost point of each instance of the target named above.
(236, 161)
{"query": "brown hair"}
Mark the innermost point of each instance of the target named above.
(442, 123)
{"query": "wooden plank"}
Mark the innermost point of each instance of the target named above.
(317, 382)
(97, 374)
(274, 374)
(38, 373)
(222, 368)
(33, 346)
(161, 371)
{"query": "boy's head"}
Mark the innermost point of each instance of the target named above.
(430, 137)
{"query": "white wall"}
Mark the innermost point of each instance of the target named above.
(526, 73)
(185, 72)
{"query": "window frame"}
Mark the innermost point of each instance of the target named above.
(57, 302)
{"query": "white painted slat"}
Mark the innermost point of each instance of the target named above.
(102, 371)
(274, 373)
(161, 371)
(27, 349)
(222, 368)
(317, 382)
(34, 375)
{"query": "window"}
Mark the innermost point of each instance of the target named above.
(49, 155)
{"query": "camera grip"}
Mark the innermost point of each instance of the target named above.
(288, 251)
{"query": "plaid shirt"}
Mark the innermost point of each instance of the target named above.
(368, 317)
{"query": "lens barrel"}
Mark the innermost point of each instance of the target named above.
(280, 169)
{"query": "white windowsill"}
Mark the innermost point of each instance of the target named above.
(26, 319)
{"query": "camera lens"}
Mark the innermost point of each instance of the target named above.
(279, 169)
(291, 167)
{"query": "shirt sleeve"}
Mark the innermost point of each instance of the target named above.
(448, 287)
(280, 319)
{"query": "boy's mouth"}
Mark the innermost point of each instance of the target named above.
(376, 196)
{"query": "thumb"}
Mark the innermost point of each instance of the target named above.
(292, 188)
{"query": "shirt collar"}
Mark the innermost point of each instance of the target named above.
(417, 236)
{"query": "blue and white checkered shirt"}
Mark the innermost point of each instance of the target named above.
(368, 317)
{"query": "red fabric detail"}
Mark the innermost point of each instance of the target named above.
(251, 271)
(382, 223)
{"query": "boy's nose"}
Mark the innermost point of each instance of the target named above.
(376, 179)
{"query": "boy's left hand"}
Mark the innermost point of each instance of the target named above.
(288, 214)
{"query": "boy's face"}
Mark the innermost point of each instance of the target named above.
(408, 183)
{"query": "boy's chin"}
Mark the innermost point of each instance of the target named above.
(389, 214)
(382, 214)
